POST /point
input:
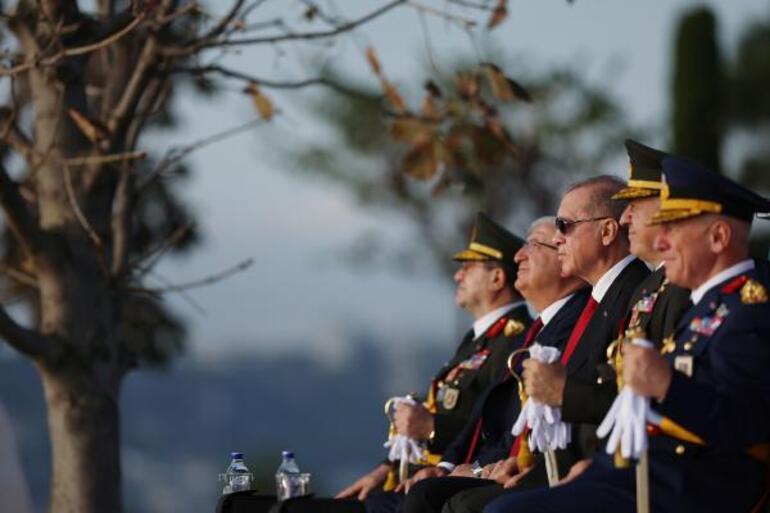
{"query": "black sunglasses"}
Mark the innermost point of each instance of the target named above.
(563, 225)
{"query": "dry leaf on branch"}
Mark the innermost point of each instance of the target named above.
(94, 130)
(519, 91)
(467, 85)
(411, 131)
(433, 89)
(374, 61)
(262, 103)
(501, 88)
(498, 14)
(394, 97)
(421, 162)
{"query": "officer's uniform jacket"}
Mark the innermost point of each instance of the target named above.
(490, 439)
(720, 393)
(657, 306)
(474, 367)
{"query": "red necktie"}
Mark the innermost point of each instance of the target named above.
(579, 328)
(537, 325)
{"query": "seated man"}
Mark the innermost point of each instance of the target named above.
(486, 438)
(485, 290)
(709, 381)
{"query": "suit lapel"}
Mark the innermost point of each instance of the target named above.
(598, 333)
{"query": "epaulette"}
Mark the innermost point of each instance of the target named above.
(733, 285)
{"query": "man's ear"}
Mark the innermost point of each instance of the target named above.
(610, 230)
(498, 279)
(720, 235)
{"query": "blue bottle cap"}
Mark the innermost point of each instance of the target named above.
(236, 455)
(287, 454)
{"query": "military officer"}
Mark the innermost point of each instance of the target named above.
(709, 381)
(657, 305)
(485, 290)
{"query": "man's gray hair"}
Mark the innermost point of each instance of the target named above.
(549, 220)
(602, 188)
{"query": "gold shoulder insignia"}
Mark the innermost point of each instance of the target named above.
(513, 328)
(753, 293)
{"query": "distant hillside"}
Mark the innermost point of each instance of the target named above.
(179, 425)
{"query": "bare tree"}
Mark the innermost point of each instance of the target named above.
(88, 215)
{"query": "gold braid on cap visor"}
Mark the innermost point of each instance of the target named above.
(681, 208)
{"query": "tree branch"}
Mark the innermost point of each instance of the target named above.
(17, 214)
(24, 340)
(176, 154)
(195, 46)
(242, 266)
(121, 222)
(225, 21)
(273, 84)
(154, 255)
(19, 276)
(92, 235)
(134, 89)
(13, 136)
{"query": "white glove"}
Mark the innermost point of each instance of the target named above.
(403, 447)
(547, 431)
(626, 422)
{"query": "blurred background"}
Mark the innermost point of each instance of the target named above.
(349, 299)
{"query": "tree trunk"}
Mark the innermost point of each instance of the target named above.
(84, 424)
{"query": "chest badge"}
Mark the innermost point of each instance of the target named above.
(451, 395)
(707, 325)
(684, 364)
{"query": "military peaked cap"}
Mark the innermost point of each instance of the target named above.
(690, 189)
(644, 170)
(490, 241)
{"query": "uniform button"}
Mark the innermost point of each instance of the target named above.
(599, 380)
(687, 346)
(680, 449)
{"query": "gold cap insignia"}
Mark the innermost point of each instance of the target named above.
(753, 293)
(513, 328)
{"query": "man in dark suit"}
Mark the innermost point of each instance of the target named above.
(486, 439)
(593, 246)
(710, 385)
(485, 290)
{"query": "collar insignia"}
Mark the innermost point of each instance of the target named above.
(513, 328)
(753, 293)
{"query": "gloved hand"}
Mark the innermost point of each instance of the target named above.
(547, 431)
(626, 421)
(403, 447)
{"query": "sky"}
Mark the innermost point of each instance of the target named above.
(249, 204)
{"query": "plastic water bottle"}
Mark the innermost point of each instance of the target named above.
(288, 479)
(237, 477)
